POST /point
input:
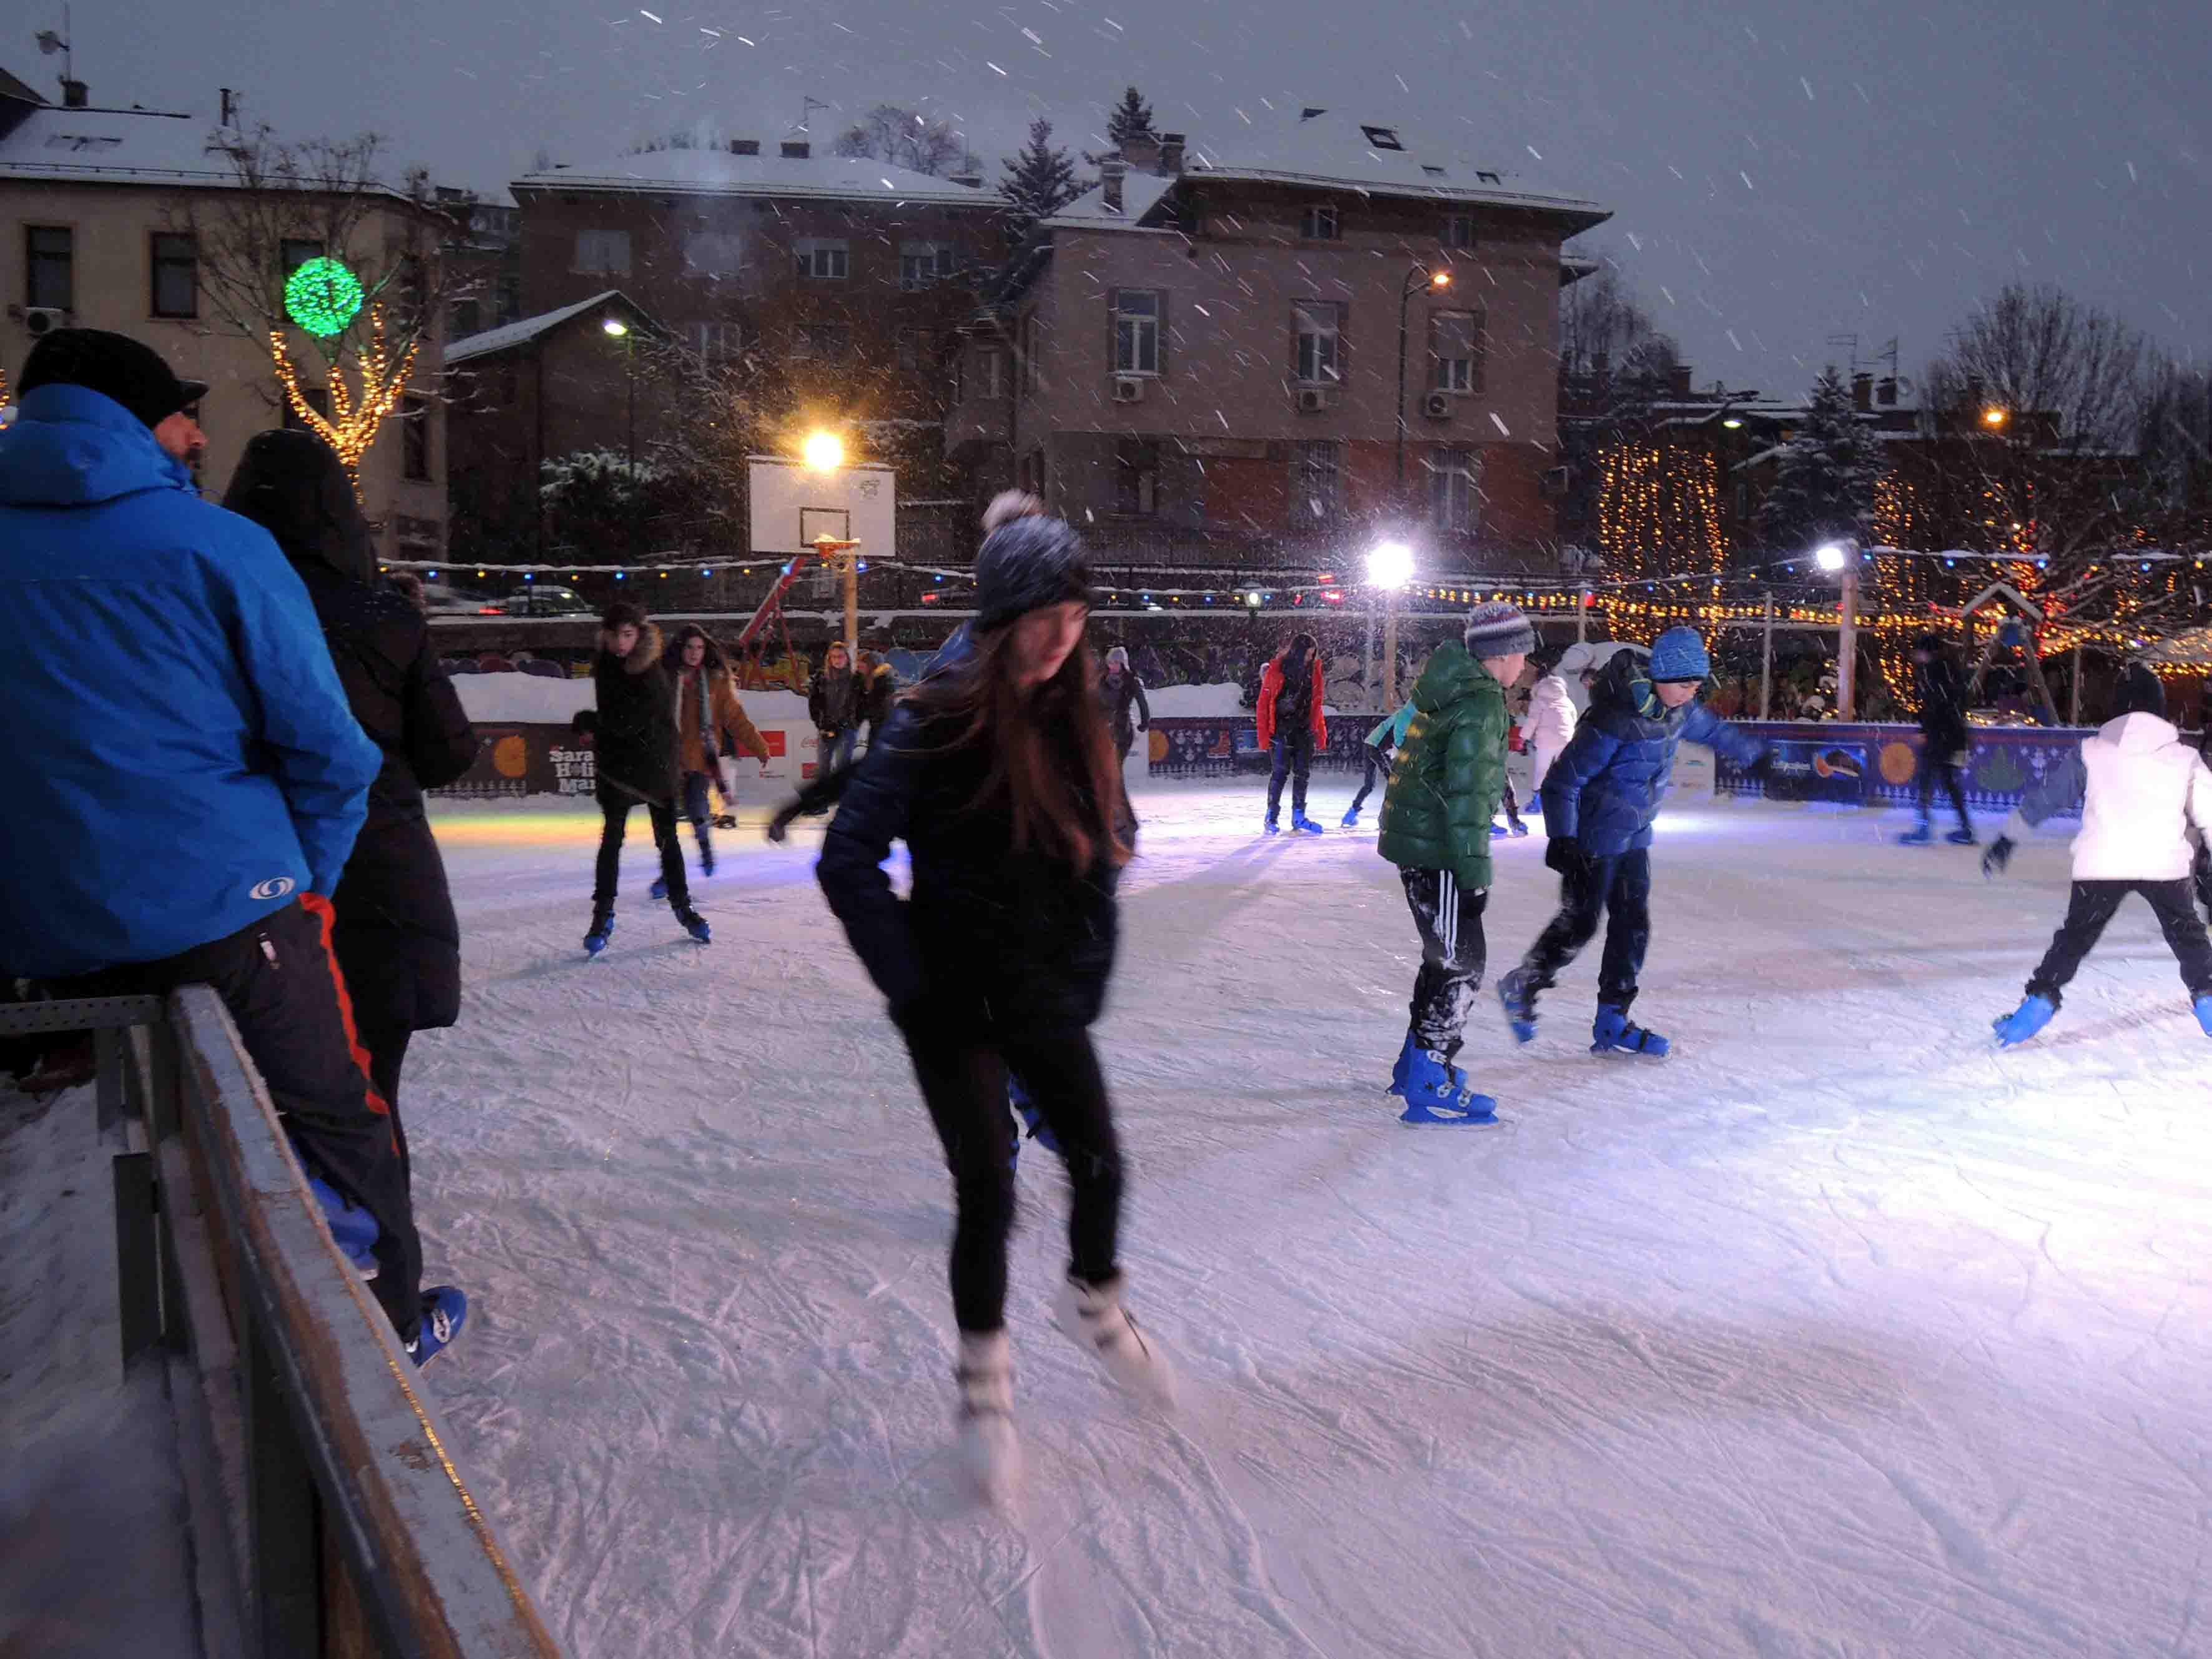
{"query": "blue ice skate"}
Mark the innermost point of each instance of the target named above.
(1305, 826)
(353, 1227)
(1025, 1109)
(603, 929)
(2204, 1012)
(1919, 838)
(1962, 836)
(2034, 1014)
(1614, 1033)
(1519, 998)
(660, 888)
(696, 924)
(445, 1311)
(1433, 1096)
(1351, 820)
(1520, 828)
(1406, 1055)
(1499, 831)
(1271, 828)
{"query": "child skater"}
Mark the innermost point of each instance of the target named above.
(2141, 790)
(1445, 788)
(1600, 798)
(706, 707)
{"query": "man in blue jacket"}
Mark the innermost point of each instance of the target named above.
(188, 776)
(1600, 798)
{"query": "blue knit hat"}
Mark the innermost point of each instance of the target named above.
(1679, 654)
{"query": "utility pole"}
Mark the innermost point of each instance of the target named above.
(1847, 664)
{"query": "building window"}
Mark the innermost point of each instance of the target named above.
(1455, 351)
(176, 290)
(408, 312)
(1317, 327)
(917, 349)
(602, 252)
(1136, 331)
(990, 373)
(508, 382)
(414, 438)
(1459, 231)
(467, 319)
(1319, 223)
(921, 263)
(1454, 489)
(1031, 475)
(819, 342)
(1136, 476)
(716, 342)
(294, 252)
(821, 259)
(1032, 353)
(713, 254)
(1317, 478)
(50, 266)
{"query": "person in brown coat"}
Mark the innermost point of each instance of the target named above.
(707, 707)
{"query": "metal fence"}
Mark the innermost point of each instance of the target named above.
(328, 1515)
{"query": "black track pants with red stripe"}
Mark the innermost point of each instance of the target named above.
(280, 982)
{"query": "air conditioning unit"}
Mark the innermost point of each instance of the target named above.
(1128, 388)
(1312, 399)
(41, 320)
(1555, 481)
(1437, 405)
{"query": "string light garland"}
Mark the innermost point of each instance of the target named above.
(323, 297)
(351, 425)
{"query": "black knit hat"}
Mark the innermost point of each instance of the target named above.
(115, 366)
(1027, 564)
(622, 613)
(2142, 692)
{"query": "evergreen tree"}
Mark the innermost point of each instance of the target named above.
(1823, 484)
(1039, 182)
(1131, 118)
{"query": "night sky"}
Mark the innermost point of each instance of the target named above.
(1779, 174)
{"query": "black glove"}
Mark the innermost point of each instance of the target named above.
(1564, 855)
(1998, 856)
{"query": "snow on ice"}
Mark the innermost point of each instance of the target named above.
(1840, 1333)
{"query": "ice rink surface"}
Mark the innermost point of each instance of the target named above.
(1838, 1333)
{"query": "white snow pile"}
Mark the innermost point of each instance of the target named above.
(1841, 1332)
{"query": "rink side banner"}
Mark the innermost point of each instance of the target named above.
(523, 759)
(1813, 761)
(1202, 746)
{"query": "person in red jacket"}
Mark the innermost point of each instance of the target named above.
(1292, 726)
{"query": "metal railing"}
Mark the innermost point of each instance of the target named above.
(328, 1515)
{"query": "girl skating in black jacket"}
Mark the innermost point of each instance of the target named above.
(999, 776)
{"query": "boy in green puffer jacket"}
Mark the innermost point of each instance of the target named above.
(1444, 790)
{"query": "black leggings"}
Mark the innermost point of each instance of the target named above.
(1374, 764)
(964, 1082)
(1934, 767)
(616, 809)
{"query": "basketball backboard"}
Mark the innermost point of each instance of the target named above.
(793, 504)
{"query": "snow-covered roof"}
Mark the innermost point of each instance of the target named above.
(1140, 194)
(114, 146)
(1380, 156)
(706, 171)
(509, 335)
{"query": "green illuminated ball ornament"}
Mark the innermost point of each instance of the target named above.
(323, 297)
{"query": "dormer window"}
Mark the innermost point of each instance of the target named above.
(1382, 138)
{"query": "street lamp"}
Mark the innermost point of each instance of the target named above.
(1842, 559)
(1994, 417)
(823, 452)
(1419, 277)
(615, 328)
(1389, 566)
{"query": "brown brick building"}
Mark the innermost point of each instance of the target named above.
(1200, 359)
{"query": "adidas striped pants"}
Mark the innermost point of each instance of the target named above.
(1449, 917)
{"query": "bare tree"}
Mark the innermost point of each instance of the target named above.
(1605, 332)
(904, 138)
(2056, 389)
(290, 202)
(2173, 445)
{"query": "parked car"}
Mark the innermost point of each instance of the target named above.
(546, 599)
(444, 599)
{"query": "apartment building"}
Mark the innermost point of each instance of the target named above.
(1202, 359)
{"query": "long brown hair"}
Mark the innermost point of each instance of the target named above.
(1053, 761)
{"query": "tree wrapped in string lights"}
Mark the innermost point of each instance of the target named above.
(325, 298)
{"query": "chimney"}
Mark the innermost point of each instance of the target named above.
(1110, 176)
(1171, 155)
(967, 178)
(744, 146)
(74, 95)
(797, 150)
(229, 108)
(1862, 394)
(1677, 379)
(1885, 392)
(1141, 150)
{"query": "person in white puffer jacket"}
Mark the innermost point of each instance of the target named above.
(2141, 792)
(1549, 723)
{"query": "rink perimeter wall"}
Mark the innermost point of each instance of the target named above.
(1879, 765)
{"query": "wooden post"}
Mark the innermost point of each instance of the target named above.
(1847, 651)
(1390, 652)
(1766, 666)
(1581, 613)
(2074, 698)
(852, 571)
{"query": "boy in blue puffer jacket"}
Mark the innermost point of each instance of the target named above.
(1600, 798)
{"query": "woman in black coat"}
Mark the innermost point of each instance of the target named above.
(637, 756)
(999, 773)
(398, 942)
